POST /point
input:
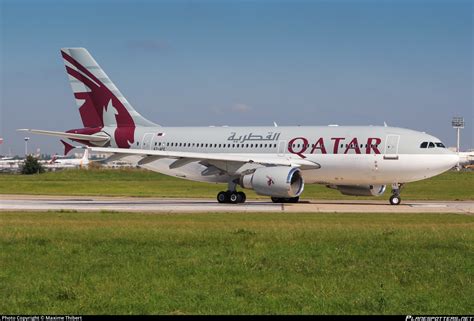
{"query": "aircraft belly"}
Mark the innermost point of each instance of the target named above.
(339, 169)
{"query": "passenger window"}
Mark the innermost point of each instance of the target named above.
(431, 145)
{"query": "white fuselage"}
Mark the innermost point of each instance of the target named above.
(346, 155)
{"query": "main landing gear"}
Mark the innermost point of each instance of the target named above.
(231, 195)
(395, 199)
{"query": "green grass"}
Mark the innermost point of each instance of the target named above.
(133, 182)
(125, 263)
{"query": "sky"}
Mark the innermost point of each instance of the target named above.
(200, 63)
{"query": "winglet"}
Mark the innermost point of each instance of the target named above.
(67, 147)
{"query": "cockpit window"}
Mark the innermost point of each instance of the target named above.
(432, 145)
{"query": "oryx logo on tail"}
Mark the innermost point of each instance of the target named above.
(100, 102)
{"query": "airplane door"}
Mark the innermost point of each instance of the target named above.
(391, 147)
(146, 142)
(281, 148)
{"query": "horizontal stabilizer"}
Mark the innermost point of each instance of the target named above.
(90, 138)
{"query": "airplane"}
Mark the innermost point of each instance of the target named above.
(71, 162)
(274, 161)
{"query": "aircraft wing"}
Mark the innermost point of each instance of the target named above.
(90, 138)
(151, 155)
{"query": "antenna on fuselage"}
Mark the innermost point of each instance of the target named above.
(275, 124)
(385, 124)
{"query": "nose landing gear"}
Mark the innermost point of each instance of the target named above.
(395, 199)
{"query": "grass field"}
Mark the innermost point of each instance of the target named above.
(125, 263)
(134, 182)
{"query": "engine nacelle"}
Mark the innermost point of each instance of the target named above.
(360, 190)
(278, 181)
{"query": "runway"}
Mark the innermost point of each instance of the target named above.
(163, 205)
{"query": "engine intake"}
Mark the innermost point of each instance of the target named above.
(277, 181)
(360, 190)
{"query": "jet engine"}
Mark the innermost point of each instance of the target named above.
(360, 190)
(277, 181)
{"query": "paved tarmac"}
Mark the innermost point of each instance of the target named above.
(167, 205)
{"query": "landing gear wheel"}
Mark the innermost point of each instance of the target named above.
(395, 199)
(243, 197)
(231, 197)
(223, 197)
(234, 197)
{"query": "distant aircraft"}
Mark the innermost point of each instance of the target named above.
(466, 158)
(273, 161)
(72, 162)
